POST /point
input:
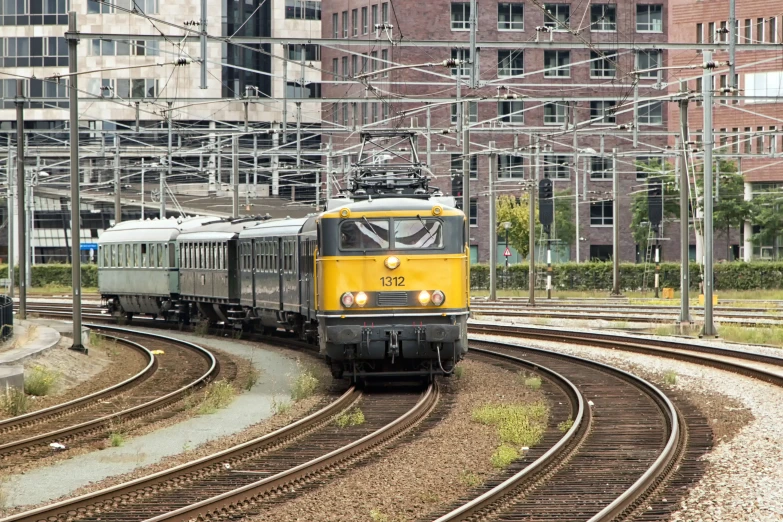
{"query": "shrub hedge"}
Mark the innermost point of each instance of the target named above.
(569, 276)
(56, 274)
(598, 276)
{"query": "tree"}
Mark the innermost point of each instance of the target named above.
(729, 208)
(765, 212)
(516, 211)
(640, 217)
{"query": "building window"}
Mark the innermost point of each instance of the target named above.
(385, 62)
(345, 114)
(385, 12)
(364, 20)
(555, 113)
(302, 9)
(374, 11)
(556, 166)
(473, 213)
(601, 214)
(510, 63)
(354, 65)
(773, 30)
(747, 141)
(557, 16)
(600, 167)
(600, 252)
(461, 55)
(312, 52)
(124, 48)
(335, 26)
(651, 113)
(346, 73)
(699, 33)
(297, 90)
(473, 108)
(355, 22)
(335, 69)
(345, 24)
(556, 64)
(603, 17)
(511, 17)
(460, 16)
(748, 31)
(374, 61)
(511, 111)
(604, 110)
(759, 30)
(648, 61)
(456, 165)
(649, 18)
(603, 66)
(510, 167)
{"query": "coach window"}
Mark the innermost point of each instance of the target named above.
(364, 234)
(160, 255)
(153, 255)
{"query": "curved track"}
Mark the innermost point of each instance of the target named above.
(181, 368)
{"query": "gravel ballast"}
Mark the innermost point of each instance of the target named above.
(419, 476)
(743, 476)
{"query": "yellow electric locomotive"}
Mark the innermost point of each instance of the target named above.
(392, 286)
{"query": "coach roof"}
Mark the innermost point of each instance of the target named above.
(275, 227)
(152, 230)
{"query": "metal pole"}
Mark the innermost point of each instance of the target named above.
(117, 181)
(549, 266)
(163, 175)
(531, 201)
(429, 138)
(636, 111)
(576, 181)
(466, 163)
(493, 232)
(707, 86)
(255, 161)
(203, 39)
(328, 170)
(10, 227)
(235, 176)
(142, 187)
(20, 194)
(657, 262)
(473, 49)
(298, 140)
(285, 94)
(72, 36)
(615, 226)
(732, 42)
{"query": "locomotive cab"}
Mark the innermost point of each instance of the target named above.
(393, 291)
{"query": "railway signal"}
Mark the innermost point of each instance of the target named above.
(546, 203)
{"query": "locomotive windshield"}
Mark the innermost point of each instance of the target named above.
(418, 233)
(364, 234)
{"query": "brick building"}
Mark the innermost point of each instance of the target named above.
(577, 69)
(746, 131)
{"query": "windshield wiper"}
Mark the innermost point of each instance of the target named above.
(425, 226)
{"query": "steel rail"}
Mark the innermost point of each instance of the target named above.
(581, 424)
(632, 495)
(129, 412)
(135, 487)
(62, 408)
(251, 491)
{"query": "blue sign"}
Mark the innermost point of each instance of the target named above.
(88, 246)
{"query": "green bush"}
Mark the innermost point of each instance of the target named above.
(38, 381)
(56, 274)
(598, 276)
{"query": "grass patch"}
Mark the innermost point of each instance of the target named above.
(304, 386)
(353, 417)
(670, 377)
(565, 425)
(378, 516)
(217, 395)
(202, 328)
(532, 382)
(519, 424)
(39, 381)
(621, 325)
(470, 479)
(251, 378)
(504, 456)
(280, 407)
(116, 439)
(13, 402)
(459, 372)
(772, 335)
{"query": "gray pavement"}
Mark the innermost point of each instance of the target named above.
(251, 407)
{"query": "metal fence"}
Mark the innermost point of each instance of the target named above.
(6, 317)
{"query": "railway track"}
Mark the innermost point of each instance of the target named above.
(181, 368)
(625, 440)
(255, 471)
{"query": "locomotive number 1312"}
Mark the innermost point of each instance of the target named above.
(392, 281)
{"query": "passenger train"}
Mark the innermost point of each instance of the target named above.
(380, 284)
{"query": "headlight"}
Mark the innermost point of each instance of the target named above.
(438, 297)
(392, 262)
(347, 299)
(361, 299)
(424, 297)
